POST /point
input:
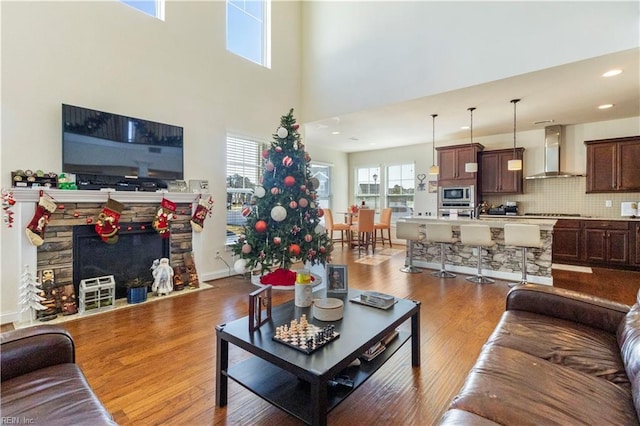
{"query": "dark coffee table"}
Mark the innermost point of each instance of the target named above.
(298, 383)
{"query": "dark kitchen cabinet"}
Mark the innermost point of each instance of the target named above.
(607, 242)
(635, 235)
(612, 165)
(567, 241)
(495, 177)
(452, 160)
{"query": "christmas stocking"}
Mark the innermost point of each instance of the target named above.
(200, 214)
(164, 215)
(107, 223)
(35, 229)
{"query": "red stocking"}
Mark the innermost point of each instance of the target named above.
(200, 214)
(163, 216)
(107, 223)
(35, 229)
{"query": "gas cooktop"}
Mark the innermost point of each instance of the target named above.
(554, 214)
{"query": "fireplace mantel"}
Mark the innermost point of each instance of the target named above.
(90, 196)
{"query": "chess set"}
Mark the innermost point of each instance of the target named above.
(305, 337)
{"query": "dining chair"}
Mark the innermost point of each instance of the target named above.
(364, 228)
(331, 226)
(385, 223)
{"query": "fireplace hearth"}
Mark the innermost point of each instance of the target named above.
(129, 258)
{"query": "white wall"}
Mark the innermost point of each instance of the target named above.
(364, 54)
(108, 56)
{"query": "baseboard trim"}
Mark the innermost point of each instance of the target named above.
(572, 268)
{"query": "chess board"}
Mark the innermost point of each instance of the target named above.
(305, 337)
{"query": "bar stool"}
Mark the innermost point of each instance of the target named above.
(441, 233)
(523, 236)
(411, 232)
(479, 236)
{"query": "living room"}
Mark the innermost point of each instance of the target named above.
(106, 56)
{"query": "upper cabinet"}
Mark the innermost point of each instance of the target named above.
(612, 165)
(495, 177)
(452, 160)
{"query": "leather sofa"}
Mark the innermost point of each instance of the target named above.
(41, 383)
(556, 357)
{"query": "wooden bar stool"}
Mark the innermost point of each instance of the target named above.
(385, 223)
(441, 233)
(479, 236)
(411, 232)
(523, 236)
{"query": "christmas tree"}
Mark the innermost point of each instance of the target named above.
(29, 293)
(283, 222)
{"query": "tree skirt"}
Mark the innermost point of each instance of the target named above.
(281, 279)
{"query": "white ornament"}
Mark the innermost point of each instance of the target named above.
(319, 229)
(278, 213)
(259, 191)
(240, 266)
(282, 132)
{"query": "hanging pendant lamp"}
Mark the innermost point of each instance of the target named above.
(434, 169)
(471, 167)
(514, 164)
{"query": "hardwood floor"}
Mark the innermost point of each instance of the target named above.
(155, 363)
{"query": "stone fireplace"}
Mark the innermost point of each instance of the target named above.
(80, 209)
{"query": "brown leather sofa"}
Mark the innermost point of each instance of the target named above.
(556, 357)
(41, 384)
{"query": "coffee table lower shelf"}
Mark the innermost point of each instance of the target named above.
(284, 390)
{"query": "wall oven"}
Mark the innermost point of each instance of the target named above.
(459, 198)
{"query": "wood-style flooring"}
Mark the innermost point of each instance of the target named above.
(154, 363)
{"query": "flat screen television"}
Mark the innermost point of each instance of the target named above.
(106, 146)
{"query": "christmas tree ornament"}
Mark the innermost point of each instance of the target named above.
(240, 266)
(277, 240)
(320, 212)
(303, 202)
(164, 215)
(303, 188)
(107, 223)
(274, 190)
(289, 181)
(7, 204)
(246, 211)
(278, 149)
(261, 226)
(89, 220)
(265, 153)
(203, 209)
(307, 157)
(259, 191)
(319, 229)
(294, 249)
(269, 166)
(308, 238)
(282, 132)
(315, 183)
(278, 213)
(287, 161)
(293, 205)
(246, 249)
(35, 228)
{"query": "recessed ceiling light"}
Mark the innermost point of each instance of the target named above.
(373, 143)
(464, 128)
(612, 73)
(548, 121)
(335, 132)
(605, 106)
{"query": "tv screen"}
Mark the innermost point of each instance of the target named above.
(105, 144)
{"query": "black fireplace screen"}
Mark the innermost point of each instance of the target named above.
(129, 258)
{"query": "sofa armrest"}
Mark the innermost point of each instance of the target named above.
(32, 348)
(568, 305)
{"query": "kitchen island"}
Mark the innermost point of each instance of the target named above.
(500, 261)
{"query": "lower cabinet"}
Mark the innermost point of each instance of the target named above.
(614, 244)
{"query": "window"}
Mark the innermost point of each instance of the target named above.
(248, 30)
(400, 190)
(367, 186)
(323, 174)
(244, 169)
(153, 8)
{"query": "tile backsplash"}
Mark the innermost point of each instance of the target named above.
(564, 195)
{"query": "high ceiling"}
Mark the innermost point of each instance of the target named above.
(567, 94)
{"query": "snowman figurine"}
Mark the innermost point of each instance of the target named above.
(163, 278)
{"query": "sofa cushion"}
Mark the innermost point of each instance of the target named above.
(509, 386)
(570, 344)
(56, 395)
(629, 341)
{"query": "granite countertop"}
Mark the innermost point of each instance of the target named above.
(521, 217)
(492, 221)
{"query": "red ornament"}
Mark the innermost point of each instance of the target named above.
(246, 211)
(278, 149)
(293, 204)
(274, 190)
(296, 126)
(322, 249)
(89, 219)
(303, 202)
(303, 188)
(289, 181)
(261, 226)
(269, 166)
(143, 227)
(277, 240)
(320, 212)
(287, 161)
(265, 154)
(129, 228)
(246, 248)
(60, 206)
(308, 238)
(76, 214)
(294, 249)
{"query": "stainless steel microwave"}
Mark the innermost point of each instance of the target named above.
(460, 197)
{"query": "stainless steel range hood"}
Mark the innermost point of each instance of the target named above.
(553, 141)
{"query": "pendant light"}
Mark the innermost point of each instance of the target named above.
(514, 164)
(471, 167)
(434, 170)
